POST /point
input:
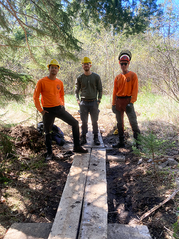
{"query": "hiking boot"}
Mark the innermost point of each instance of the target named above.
(83, 140)
(49, 157)
(119, 145)
(79, 149)
(96, 140)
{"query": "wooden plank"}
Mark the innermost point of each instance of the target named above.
(94, 214)
(117, 158)
(67, 218)
(28, 231)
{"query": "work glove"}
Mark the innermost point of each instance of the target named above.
(114, 109)
(129, 107)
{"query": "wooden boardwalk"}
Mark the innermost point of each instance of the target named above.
(82, 212)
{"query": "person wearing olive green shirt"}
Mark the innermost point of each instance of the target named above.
(90, 87)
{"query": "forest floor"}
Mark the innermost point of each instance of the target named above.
(30, 188)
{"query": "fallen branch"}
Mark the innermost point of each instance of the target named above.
(156, 207)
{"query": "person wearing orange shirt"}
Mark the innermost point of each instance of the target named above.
(124, 95)
(52, 105)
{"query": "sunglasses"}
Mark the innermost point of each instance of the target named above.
(123, 64)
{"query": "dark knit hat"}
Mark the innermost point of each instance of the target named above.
(125, 52)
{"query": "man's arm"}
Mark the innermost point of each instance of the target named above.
(36, 96)
(134, 89)
(62, 94)
(100, 89)
(77, 89)
(114, 92)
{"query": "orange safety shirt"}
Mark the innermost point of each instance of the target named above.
(52, 93)
(125, 85)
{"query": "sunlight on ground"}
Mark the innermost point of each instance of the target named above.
(149, 108)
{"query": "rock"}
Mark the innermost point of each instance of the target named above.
(163, 165)
(175, 152)
(140, 161)
(172, 162)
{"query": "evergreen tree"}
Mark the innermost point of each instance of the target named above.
(129, 17)
(12, 85)
(30, 25)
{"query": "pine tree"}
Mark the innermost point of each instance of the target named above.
(129, 17)
(12, 85)
(30, 25)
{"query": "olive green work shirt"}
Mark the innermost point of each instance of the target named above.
(90, 87)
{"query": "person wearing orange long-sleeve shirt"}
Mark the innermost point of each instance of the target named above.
(52, 105)
(124, 95)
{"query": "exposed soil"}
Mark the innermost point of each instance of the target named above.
(133, 190)
(31, 189)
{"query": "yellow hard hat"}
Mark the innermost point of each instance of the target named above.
(86, 60)
(54, 62)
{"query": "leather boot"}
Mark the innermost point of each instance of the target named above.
(96, 140)
(120, 144)
(83, 140)
(79, 149)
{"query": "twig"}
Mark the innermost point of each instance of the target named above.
(168, 229)
(156, 207)
(47, 219)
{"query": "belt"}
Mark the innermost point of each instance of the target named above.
(123, 97)
(88, 100)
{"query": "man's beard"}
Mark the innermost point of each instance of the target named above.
(86, 69)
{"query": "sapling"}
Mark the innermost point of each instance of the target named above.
(151, 147)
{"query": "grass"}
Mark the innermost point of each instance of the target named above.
(157, 107)
(149, 107)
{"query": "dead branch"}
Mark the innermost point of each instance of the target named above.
(157, 206)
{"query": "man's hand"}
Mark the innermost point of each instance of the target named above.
(129, 107)
(43, 112)
(114, 109)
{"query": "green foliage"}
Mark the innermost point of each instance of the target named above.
(122, 15)
(12, 85)
(3, 178)
(38, 19)
(176, 226)
(6, 145)
(6, 148)
(150, 146)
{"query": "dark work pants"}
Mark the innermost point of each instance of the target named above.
(132, 119)
(48, 120)
(86, 108)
